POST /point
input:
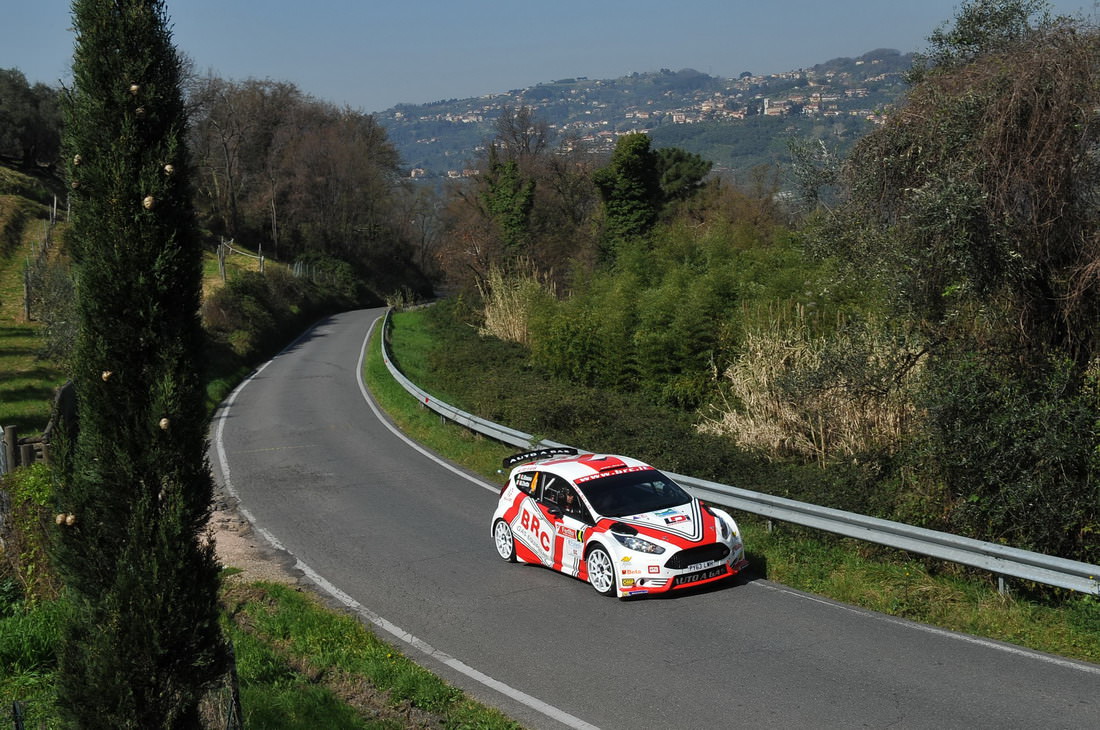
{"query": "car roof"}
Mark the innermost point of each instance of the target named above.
(586, 467)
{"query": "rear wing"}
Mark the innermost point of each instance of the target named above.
(539, 454)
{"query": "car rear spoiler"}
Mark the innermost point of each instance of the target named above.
(539, 454)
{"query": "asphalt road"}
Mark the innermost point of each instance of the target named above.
(403, 539)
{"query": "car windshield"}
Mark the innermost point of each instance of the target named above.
(633, 493)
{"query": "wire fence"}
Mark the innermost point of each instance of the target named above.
(34, 269)
(225, 248)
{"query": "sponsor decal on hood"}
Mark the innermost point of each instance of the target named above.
(684, 520)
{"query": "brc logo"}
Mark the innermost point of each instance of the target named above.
(534, 524)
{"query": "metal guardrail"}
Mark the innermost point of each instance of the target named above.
(998, 559)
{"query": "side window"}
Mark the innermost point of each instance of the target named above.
(557, 493)
(553, 490)
(527, 482)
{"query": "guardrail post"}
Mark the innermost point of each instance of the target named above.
(1002, 586)
(26, 454)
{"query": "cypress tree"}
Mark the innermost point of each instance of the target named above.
(143, 641)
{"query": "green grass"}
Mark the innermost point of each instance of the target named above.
(28, 383)
(16, 183)
(302, 665)
(28, 636)
(846, 570)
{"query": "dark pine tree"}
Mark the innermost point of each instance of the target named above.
(630, 187)
(143, 642)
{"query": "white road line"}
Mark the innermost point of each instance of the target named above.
(391, 628)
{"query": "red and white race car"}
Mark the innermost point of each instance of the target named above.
(614, 521)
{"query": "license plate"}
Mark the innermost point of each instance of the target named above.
(700, 575)
(701, 566)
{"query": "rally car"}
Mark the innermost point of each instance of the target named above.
(614, 521)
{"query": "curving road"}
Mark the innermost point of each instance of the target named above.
(403, 539)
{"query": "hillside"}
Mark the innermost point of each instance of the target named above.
(736, 123)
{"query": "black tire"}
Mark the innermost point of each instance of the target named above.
(601, 571)
(505, 543)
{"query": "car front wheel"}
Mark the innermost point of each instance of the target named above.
(502, 538)
(601, 571)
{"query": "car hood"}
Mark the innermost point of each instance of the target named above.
(685, 520)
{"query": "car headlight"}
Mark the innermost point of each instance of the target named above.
(638, 544)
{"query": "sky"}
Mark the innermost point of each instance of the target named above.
(371, 55)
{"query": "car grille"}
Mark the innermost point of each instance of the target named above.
(696, 555)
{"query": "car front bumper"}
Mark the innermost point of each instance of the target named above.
(651, 579)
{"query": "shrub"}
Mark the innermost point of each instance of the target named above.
(253, 311)
(240, 312)
(1019, 458)
(336, 279)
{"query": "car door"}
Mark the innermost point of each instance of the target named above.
(567, 520)
(531, 526)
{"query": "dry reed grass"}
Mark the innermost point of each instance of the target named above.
(792, 397)
(510, 299)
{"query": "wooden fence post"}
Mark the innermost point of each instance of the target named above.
(11, 440)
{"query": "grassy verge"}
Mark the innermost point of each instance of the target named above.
(846, 570)
(302, 665)
(299, 665)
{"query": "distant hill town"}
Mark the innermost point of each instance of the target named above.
(737, 123)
